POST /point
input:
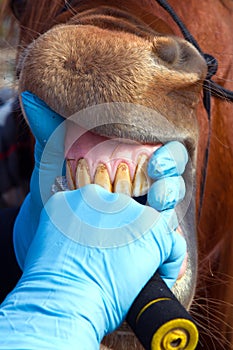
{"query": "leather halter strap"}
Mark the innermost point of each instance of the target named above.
(210, 88)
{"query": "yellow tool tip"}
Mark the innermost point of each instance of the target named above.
(178, 334)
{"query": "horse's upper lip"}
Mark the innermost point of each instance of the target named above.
(133, 122)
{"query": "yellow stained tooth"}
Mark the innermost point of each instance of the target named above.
(82, 176)
(141, 182)
(102, 177)
(122, 182)
(69, 176)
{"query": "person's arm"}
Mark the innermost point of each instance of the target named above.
(85, 267)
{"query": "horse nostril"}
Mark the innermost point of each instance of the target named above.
(166, 49)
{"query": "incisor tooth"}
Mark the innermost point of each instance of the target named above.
(102, 177)
(122, 182)
(69, 176)
(82, 176)
(141, 182)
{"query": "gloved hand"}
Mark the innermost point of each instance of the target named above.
(78, 282)
(45, 125)
(92, 254)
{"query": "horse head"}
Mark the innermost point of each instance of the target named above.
(125, 69)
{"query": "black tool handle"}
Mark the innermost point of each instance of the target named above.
(160, 321)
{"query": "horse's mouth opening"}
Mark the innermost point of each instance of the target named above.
(118, 165)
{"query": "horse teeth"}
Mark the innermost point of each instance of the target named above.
(69, 175)
(102, 177)
(141, 182)
(82, 175)
(122, 182)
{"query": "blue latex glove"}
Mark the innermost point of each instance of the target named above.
(166, 166)
(169, 160)
(92, 254)
(45, 125)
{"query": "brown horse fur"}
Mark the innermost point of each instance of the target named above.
(211, 22)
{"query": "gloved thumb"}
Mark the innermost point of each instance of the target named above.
(42, 120)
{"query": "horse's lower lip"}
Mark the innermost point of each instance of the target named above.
(183, 267)
(185, 262)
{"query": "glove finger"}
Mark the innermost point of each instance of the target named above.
(170, 269)
(169, 160)
(41, 118)
(166, 193)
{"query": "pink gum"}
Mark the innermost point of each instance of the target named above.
(101, 150)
